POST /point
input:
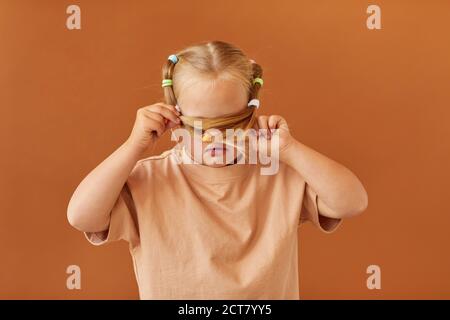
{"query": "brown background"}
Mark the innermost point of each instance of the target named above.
(374, 100)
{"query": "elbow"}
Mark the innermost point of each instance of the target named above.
(352, 200)
(360, 204)
(73, 217)
(364, 200)
(360, 200)
(363, 205)
(82, 219)
(355, 207)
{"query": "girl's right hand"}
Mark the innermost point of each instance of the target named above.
(151, 122)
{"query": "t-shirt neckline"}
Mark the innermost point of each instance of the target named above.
(207, 173)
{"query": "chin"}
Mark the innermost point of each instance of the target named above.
(216, 165)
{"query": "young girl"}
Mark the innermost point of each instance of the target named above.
(212, 229)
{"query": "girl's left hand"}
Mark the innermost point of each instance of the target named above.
(270, 124)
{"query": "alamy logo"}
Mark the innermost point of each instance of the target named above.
(374, 280)
(74, 20)
(239, 146)
(74, 279)
(374, 20)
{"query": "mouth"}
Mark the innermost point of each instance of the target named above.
(216, 150)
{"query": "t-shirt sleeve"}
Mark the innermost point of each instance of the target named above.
(123, 222)
(310, 212)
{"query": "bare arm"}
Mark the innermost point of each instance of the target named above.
(341, 194)
(339, 191)
(91, 204)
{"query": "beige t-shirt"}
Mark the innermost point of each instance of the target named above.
(197, 232)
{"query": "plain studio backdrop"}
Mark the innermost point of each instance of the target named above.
(374, 100)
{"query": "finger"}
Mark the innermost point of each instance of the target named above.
(282, 124)
(273, 122)
(170, 120)
(262, 123)
(263, 126)
(171, 125)
(158, 106)
(168, 114)
(156, 126)
(170, 107)
(155, 115)
(157, 122)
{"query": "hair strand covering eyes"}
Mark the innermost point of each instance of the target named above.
(242, 120)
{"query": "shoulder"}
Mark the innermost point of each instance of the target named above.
(155, 160)
(286, 172)
(283, 178)
(152, 164)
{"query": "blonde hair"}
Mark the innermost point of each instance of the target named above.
(213, 60)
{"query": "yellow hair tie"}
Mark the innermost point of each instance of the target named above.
(166, 82)
(258, 80)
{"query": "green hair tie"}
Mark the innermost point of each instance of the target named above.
(166, 82)
(258, 80)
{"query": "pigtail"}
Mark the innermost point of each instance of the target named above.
(167, 74)
(257, 73)
(255, 87)
(214, 58)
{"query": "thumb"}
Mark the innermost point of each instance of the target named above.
(282, 124)
(171, 124)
